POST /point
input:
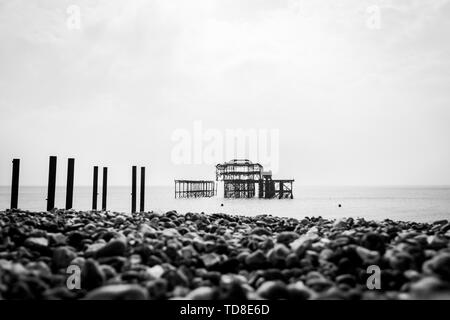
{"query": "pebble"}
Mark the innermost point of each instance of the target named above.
(113, 248)
(256, 259)
(36, 242)
(287, 237)
(118, 292)
(202, 293)
(273, 290)
(157, 289)
(261, 232)
(156, 271)
(430, 288)
(219, 256)
(439, 265)
(62, 257)
(92, 275)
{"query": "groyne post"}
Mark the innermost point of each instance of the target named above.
(104, 187)
(69, 186)
(142, 197)
(95, 189)
(15, 184)
(133, 189)
(51, 184)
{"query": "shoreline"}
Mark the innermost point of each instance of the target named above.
(219, 256)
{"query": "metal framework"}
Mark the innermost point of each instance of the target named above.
(238, 170)
(278, 189)
(239, 188)
(195, 188)
(241, 177)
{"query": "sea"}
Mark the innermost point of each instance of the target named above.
(421, 204)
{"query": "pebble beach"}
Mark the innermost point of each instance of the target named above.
(198, 256)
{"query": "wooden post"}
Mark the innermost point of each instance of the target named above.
(104, 187)
(133, 190)
(15, 184)
(142, 198)
(95, 189)
(51, 184)
(69, 186)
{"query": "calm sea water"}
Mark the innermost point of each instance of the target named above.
(378, 203)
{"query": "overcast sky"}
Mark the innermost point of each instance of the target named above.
(356, 102)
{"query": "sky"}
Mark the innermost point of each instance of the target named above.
(351, 92)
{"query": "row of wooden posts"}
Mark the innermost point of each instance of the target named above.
(51, 189)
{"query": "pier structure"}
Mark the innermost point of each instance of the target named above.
(239, 177)
(195, 188)
(238, 170)
(245, 179)
(269, 188)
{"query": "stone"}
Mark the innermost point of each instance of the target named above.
(146, 230)
(118, 292)
(278, 255)
(287, 237)
(303, 241)
(400, 260)
(346, 279)
(298, 291)
(445, 228)
(92, 275)
(261, 232)
(59, 293)
(90, 228)
(292, 261)
(273, 290)
(57, 238)
(439, 265)
(368, 256)
(170, 233)
(92, 249)
(113, 248)
(210, 259)
(156, 271)
(157, 289)
(188, 252)
(75, 239)
(119, 220)
(108, 271)
(430, 288)
(202, 293)
(340, 224)
(36, 242)
(256, 259)
(319, 284)
(62, 257)
(373, 241)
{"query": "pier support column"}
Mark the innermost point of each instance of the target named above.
(104, 188)
(69, 186)
(133, 189)
(51, 184)
(142, 197)
(95, 189)
(15, 184)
